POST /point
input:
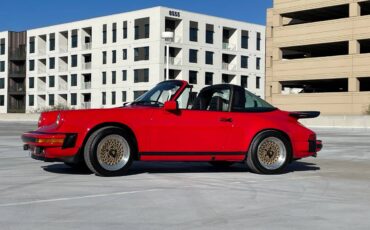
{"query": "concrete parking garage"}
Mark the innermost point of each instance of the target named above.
(328, 192)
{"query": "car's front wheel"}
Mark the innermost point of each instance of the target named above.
(109, 152)
(269, 153)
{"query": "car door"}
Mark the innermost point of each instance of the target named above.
(189, 134)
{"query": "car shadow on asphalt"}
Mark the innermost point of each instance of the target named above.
(178, 167)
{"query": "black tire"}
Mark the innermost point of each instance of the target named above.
(257, 165)
(221, 164)
(102, 136)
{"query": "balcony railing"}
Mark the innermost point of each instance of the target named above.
(86, 65)
(18, 54)
(228, 46)
(86, 46)
(86, 85)
(86, 105)
(228, 66)
(17, 88)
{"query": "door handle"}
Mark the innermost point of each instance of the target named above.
(228, 119)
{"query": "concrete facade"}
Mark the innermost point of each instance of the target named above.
(317, 56)
(53, 79)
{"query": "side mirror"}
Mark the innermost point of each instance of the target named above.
(171, 106)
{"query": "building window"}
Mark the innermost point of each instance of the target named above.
(2, 83)
(209, 58)
(114, 56)
(31, 65)
(31, 82)
(124, 75)
(74, 61)
(209, 33)
(146, 30)
(74, 38)
(114, 32)
(2, 100)
(104, 33)
(32, 45)
(124, 54)
(104, 57)
(124, 96)
(141, 75)
(244, 62)
(244, 81)
(209, 78)
(193, 56)
(73, 79)
(52, 42)
(51, 63)
(142, 28)
(141, 53)
(51, 100)
(245, 39)
(113, 98)
(73, 98)
(114, 77)
(258, 63)
(31, 100)
(258, 45)
(2, 66)
(193, 77)
(2, 46)
(193, 31)
(138, 93)
(51, 81)
(124, 35)
(104, 78)
(104, 98)
(258, 82)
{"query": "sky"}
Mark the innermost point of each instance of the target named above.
(18, 15)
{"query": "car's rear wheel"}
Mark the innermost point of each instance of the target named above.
(109, 152)
(221, 164)
(269, 153)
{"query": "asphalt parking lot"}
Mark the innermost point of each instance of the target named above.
(328, 192)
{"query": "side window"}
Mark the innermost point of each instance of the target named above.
(213, 100)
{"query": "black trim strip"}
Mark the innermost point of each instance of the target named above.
(189, 153)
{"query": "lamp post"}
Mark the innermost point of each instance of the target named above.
(168, 37)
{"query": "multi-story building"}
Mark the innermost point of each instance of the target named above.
(12, 72)
(106, 61)
(318, 55)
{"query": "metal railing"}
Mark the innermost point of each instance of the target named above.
(19, 88)
(86, 46)
(228, 46)
(86, 65)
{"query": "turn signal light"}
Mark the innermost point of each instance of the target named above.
(50, 141)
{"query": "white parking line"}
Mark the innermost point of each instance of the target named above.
(76, 198)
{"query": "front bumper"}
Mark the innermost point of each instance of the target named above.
(50, 146)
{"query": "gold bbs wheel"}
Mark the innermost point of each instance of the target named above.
(271, 153)
(113, 152)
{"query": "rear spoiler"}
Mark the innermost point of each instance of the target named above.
(304, 114)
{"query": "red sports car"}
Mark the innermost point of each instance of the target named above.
(222, 125)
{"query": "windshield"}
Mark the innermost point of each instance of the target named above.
(159, 94)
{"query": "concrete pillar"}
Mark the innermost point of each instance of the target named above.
(276, 88)
(354, 47)
(277, 54)
(353, 84)
(354, 9)
(277, 20)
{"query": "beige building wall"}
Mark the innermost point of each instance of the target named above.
(354, 65)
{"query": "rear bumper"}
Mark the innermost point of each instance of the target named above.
(51, 146)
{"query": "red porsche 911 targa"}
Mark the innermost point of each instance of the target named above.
(222, 125)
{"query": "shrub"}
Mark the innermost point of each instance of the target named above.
(52, 108)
